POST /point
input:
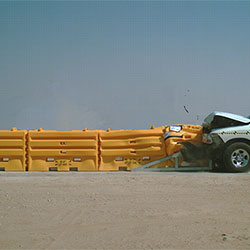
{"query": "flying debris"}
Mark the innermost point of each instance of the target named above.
(186, 109)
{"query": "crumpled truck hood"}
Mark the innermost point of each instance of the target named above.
(239, 118)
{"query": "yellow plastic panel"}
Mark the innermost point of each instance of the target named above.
(188, 133)
(127, 149)
(62, 150)
(12, 150)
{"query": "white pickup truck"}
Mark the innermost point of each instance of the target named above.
(226, 141)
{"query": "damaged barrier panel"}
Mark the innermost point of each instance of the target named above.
(128, 149)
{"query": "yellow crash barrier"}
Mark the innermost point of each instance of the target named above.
(12, 150)
(188, 133)
(50, 150)
(127, 149)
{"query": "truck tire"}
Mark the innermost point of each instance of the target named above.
(236, 157)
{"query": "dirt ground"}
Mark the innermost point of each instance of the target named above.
(124, 210)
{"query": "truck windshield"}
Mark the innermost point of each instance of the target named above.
(224, 122)
(220, 122)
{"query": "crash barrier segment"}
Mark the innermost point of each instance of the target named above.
(128, 149)
(188, 133)
(12, 150)
(149, 166)
(62, 150)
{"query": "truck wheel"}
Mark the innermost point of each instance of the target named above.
(236, 157)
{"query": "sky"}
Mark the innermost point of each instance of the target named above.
(69, 65)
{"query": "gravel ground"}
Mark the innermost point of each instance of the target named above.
(124, 210)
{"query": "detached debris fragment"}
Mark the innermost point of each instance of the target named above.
(186, 109)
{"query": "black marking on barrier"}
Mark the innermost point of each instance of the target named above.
(52, 169)
(123, 169)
